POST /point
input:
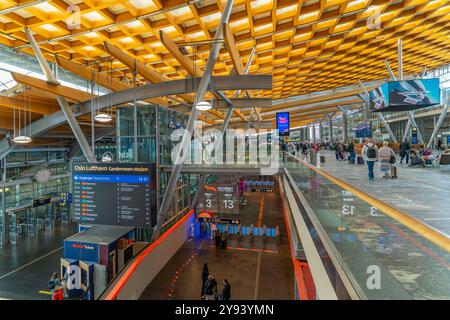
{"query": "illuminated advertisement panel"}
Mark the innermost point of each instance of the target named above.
(283, 123)
(379, 97)
(414, 93)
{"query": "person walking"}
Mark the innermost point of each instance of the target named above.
(205, 274)
(404, 151)
(226, 291)
(385, 155)
(351, 152)
(370, 155)
(211, 288)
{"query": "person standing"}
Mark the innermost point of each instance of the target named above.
(385, 155)
(210, 288)
(404, 151)
(439, 144)
(370, 155)
(54, 284)
(205, 274)
(226, 291)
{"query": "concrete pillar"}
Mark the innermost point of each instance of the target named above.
(330, 128)
(320, 130)
(314, 132)
(344, 126)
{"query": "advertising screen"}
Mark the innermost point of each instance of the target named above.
(379, 97)
(283, 123)
(114, 194)
(414, 93)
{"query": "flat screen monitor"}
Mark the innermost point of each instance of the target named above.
(283, 123)
(379, 97)
(114, 194)
(413, 94)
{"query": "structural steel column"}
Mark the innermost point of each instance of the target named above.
(203, 86)
(5, 220)
(330, 127)
(439, 123)
(320, 130)
(67, 110)
(314, 132)
(344, 123)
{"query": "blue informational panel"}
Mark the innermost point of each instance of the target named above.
(114, 194)
(415, 93)
(283, 123)
(414, 135)
(81, 251)
(363, 130)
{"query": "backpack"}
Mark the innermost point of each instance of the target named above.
(371, 152)
(51, 284)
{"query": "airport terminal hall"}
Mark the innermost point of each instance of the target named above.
(224, 158)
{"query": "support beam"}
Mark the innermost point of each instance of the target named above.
(36, 107)
(67, 110)
(171, 184)
(99, 78)
(440, 120)
(56, 89)
(145, 71)
(330, 126)
(344, 123)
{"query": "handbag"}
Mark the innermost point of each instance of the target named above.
(392, 160)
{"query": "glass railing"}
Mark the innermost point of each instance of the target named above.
(381, 257)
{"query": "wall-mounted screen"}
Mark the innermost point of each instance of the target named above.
(414, 93)
(114, 194)
(379, 97)
(283, 123)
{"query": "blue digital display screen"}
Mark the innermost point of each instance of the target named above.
(283, 123)
(379, 97)
(419, 92)
(109, 178)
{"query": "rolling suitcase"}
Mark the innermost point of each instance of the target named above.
(393, 172)
(360, 160)
(322, 159)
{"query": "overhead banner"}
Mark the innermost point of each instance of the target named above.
(283, 123)
(405, 95)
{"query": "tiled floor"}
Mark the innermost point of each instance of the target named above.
(26, 266)
(424, 193)
(254, 270)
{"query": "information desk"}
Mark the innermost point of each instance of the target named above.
(95, 256)
(114, 194)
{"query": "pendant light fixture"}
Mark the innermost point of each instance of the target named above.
(103, 116)
(23, 136)
(203, 106)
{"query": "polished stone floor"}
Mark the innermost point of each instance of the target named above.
(255, 270)
(424, 193)
(26, 266)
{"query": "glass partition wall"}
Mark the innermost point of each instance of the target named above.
(142, 135)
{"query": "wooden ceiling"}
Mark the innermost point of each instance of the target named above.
(307, 46)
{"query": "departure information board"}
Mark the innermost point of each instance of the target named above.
(114, 193)
(222, 199)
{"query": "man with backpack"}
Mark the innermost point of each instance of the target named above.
(370, 154)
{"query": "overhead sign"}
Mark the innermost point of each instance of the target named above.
(114, 194)
(405, 95)
(363, 130)
(41, 201)
(221, 198)
(282, 119)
